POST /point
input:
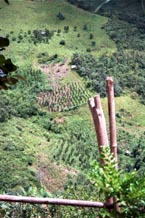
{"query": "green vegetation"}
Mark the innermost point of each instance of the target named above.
(42, 30)
(6, 67)
(126, 65)
(127, 189)
(47, 137)
(18, 154)
(76, 143)
(64, 98)
(86, 5)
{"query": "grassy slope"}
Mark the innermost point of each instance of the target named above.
(24, 15)
(24, 150)
(37, 141)
(131, 114)
(40, 145)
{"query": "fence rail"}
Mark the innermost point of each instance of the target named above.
(56, 201)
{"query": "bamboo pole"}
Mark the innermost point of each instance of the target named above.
(112, 118)
(56, 201)
(100, 127)
(112, 123)
(99, 121)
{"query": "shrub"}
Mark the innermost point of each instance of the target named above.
(93, 43)
(59, 31)
(127, 189)
(35, 41)
(60, 16)
(91, 36)
(88, 50)
(66, 29)
(20, 37)
(85, 27)
(13, 38)
(27, 109)
(62, 42)
(75, 28)
(7, 35)
(29, 32)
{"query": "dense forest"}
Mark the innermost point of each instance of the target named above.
(54, 56)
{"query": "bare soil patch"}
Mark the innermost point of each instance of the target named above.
(51, 175)
(55, 72)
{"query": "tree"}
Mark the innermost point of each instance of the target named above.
(95, 5)
(107, 1)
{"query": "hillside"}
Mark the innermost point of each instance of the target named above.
(20, 21)
(27, 42)
(43, 143)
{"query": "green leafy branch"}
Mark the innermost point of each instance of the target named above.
(6, 67)
(128, 189)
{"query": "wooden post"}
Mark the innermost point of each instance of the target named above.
(112, 119)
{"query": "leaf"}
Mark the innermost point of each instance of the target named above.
(10, 66)
(4, 69)
(2, 60)
(11, 80)
(4, 42)
(3, 86)
(20, 77)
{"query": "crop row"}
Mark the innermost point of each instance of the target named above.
(77, 148)
(64, 98)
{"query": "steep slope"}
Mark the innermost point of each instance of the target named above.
(27, 142)
(36, 28)
(42, 148)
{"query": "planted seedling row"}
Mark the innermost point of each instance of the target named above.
(64, 98)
